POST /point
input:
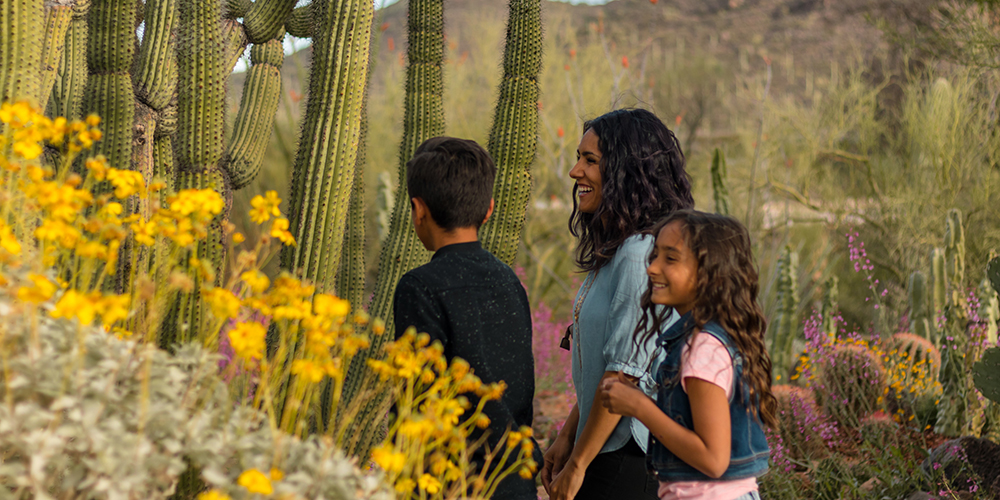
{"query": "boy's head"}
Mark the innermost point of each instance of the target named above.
(454, 179)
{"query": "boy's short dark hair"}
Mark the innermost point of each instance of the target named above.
(454, 177)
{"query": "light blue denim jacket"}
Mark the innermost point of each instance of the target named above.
(603, 337)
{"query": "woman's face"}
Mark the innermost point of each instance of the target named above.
(587, 173)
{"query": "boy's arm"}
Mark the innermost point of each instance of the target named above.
(414, 305)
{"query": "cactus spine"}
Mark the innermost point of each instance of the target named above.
(326, 160)
(921, 320)
(782, 343)
(719, 191)
(512, 139)
(21, 59)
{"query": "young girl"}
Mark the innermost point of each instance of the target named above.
(714, 385)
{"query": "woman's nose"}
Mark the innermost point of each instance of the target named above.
(576, 172)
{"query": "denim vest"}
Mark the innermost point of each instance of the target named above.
(749, 453)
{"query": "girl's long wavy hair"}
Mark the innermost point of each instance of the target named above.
(642, 180)
(726, 292)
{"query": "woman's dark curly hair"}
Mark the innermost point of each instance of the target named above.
(642, 180)
(727, 289)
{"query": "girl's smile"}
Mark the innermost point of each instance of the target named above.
(673, 270)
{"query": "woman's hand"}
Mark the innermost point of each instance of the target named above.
(555, 459)
(621, 396)
(567, 482)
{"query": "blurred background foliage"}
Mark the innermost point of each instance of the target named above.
(834, 117)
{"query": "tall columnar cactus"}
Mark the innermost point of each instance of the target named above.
(515, 122)
(58, 17)
(829, 307)
(384, 204)
(921, 320)
(351, 275)
(786, 323)
(954, 257)
(719, 191)
(993, 273)
(939, 285)
(21, 59)
(254, 120)
(156, 75)
(109, 93)
(66, 97)
(423, 118)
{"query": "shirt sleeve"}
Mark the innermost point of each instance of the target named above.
(414, 305)
(622, 350)
(707, 359)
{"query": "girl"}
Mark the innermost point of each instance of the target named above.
(629, 174)
(714, 385)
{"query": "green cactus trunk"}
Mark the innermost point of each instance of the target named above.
(786, 323)
(350, 283)
(324, 166)
(66, 98)
(513, 138)
(58, 17)
(21, 59)
(921, 320)
(719, 191)
(265, 18)
(828, 312)
(423, 118)
(156, 74)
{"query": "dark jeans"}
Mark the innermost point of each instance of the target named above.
(619, 474)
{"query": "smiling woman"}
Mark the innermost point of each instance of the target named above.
(629, 173)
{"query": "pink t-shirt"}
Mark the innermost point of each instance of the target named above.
(709, 361)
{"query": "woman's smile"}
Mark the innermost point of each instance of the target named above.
(587, 173)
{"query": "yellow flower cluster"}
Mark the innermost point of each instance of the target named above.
(31, 129)
(428, 449)
(266, 206)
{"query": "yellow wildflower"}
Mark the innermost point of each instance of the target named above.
(74, 304)
(256, 280)
(247, 340)
(265, 207)
(388, 459)
(224, 304)
(276, 474)
(42, 290)
(238, 238)
(98, 167)
(8, 241)
(429, 483)
(144, 232)
(330, 306)
(113, 308)
(58, 231)
(213, 495)
(280, 230)
(255, 482)
(405, 485)
(307, 370)
(126, 183)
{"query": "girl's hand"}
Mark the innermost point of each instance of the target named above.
(555, 459)
(621, 396)
(567, 483)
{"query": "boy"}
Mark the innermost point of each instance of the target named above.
(465, 297)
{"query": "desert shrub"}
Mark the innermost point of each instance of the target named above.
(806, 433)
(852, 383)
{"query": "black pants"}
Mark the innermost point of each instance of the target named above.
(619, 475)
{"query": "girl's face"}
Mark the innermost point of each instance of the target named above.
(673, 270)
(587, 173)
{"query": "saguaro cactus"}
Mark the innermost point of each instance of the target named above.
(515, 122)
(21, 59)
(719, 191)
(828, 311)
(323, 175)
(66, 97)
(921, 320)
(786, 323)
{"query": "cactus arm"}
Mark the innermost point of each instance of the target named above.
(921, 322)
(58, 17)
(236, 42)
(513, 138)
(350, 282)
(21, 58)
(324, 165)
(235, 9)
(265, 18)
(300, 22)
(109, 92)
(258, 106)
(938, 284)
(719, 191)
(156, 76)
(66, 98)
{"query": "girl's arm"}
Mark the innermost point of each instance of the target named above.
(707, 448)
(600, 424)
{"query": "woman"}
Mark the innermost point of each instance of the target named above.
(629, 173)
